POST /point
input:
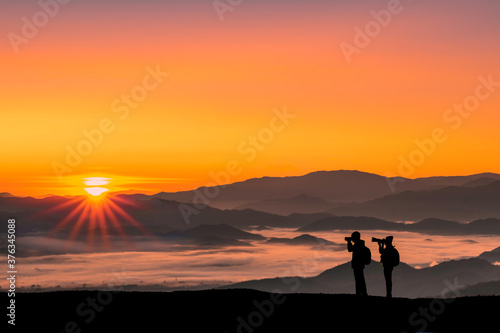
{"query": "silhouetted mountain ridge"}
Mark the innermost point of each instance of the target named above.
(480, 289)
(304, 239)
(301, 203)
(452, 203)
(430, 226)
(218, 230)
(492, 256)
(338, 186)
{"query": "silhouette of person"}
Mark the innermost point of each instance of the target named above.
(357, 262)
(388, 259)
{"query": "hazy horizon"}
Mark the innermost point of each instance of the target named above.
(123, 189)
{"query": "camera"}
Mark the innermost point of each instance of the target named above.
(387, 240)
(378, 240)
(348, 239)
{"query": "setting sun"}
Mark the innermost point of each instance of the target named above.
(103, 215)
(96, 182)
(96, 191)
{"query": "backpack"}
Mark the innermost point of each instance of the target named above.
(395, 257)
(367, 255)
(391, 257)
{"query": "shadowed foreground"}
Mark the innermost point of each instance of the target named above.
(245, 311)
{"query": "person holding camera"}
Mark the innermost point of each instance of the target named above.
(359, 258)
(389, 257)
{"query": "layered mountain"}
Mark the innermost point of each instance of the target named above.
(480, 182)
(203, 242)
(453, 203)
(40, 216)
(217, 230)
(429, 226)
(304, 239)
(350, 223)
(338, 192)
(302, 203)
(492, 256)
(480, 289)
(332, 186)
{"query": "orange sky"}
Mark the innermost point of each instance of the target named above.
(226, 78)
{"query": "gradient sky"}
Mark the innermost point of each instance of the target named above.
(226, 78)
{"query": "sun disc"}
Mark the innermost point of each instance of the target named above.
(96, 181)
(96, 191)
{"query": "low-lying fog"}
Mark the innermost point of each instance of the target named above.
(153, 261)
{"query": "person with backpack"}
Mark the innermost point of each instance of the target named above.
(389, 257)
(361, 256)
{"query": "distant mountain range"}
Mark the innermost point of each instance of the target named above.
(438, 203)
(480, 289)
(302, 203)
(480, 182)
(157, 215)
(437, 210)
(492, 256)
(342, 186)
(429, 226)
(453, 202)
(204, 242)
(219, 230)
(304, 239)
(461, 198)
(212, 236)
(346, 193)
(162, 216)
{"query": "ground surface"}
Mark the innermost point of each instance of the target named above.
(246, 311)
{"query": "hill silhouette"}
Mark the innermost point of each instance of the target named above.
(212, 241)
(492, 256)
(456, 203)
(480, 182)
(301, 203)
(489, 288)
(350, 223)
(429, 226)
(338, 186)
(452, 203)
(219, 230)
(304, 239)
(157, 215)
